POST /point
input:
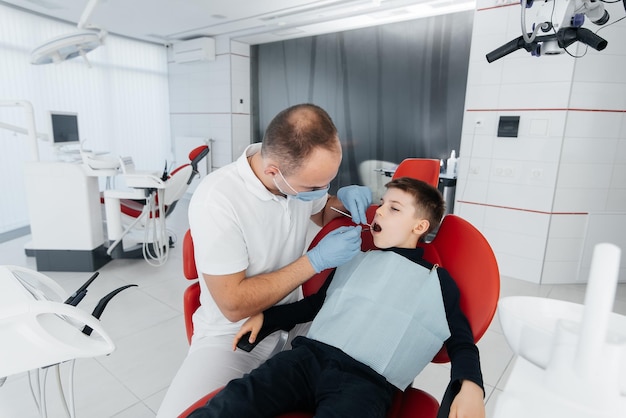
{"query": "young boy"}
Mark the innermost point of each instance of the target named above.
(377, 322)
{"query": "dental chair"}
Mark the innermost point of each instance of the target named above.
(150, 199)
(458, 246)
(425, 169)
(180, 178)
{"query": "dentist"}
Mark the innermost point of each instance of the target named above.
(249, 222)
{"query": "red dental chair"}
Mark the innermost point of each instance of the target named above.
(177, 183)
(458, 246)
(425, 169)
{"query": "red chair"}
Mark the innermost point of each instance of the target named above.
(425, 169)
(191, 297)
(458, 247)
(176, 185)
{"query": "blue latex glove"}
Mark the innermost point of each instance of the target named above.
(356, 199)
(336, 248)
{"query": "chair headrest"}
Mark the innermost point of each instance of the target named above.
(198, 154)
(425, 169)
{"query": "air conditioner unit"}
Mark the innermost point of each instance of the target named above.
(194, 50)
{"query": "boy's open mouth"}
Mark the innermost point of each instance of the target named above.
(376, 227)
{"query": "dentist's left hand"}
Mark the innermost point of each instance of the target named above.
(356, 200)
(336, 248)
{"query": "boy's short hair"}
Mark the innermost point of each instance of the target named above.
(428, 201)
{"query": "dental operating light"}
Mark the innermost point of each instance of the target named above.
(66, 47)
(71, 45)
(557, 25)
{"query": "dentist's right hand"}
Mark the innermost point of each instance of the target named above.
(336, 248)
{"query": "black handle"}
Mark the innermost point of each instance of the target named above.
(80, 293)
(506, 49)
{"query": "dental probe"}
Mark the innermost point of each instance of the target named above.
(347, 214)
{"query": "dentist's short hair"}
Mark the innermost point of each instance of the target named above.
(295, 132)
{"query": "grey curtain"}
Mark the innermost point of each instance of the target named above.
(394, 91)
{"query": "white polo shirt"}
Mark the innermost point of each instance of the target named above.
(237, 224)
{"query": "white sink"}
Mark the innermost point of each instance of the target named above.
(529, 325)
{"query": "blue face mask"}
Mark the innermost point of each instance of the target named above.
(304, 196)
(310, 195)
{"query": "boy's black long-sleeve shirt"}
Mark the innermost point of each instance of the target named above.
(463, 353)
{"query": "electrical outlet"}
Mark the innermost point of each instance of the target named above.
(504, 172)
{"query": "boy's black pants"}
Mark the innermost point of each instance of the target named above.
(310, 377)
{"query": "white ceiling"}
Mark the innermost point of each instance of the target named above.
(248, 21)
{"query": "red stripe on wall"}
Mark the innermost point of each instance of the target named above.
(497, 7)
(565, 109)
(523, 210)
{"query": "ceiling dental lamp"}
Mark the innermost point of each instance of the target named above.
(66, 47)
(71, 45)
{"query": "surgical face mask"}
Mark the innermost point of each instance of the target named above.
(304, 196)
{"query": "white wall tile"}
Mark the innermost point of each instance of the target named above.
(479, 123)
(564, 249)
(526, 148)
(580, 200)
(519, 267)
(483, 75)
(240, 65)
(240, 133)
(520, 196)
(223, 45)
(620, 154)
(609, 65)
(584, 176)
(240, 84)
(516, 69)
(604, 228)
(616, 201)
(561, 272)
(491, 20)
(598, 95)
(466, 146)
(240, 48)
(584, 124)
(557, 119)
(517, 221)
(475, 169)
(534, 95)
(485, 44)
(618, 177)
(527, 246)
(589, 150)
(474, 214)
(482, 97)
(505, 171)
(568, 226)
(482, 146)
(474, 191)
